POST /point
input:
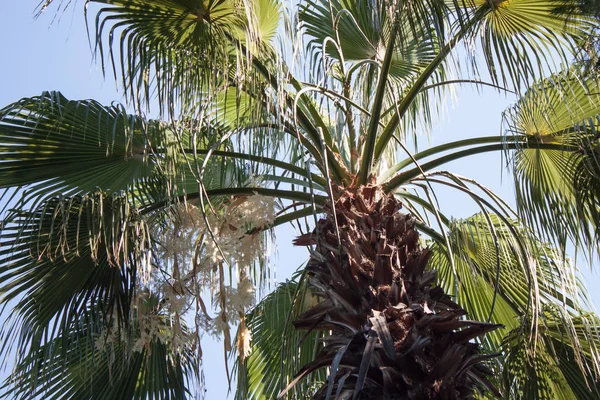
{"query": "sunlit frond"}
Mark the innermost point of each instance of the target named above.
(522, 39)
(550, 367)
(557, 190)
(361, 29)
(52, 145)
(497, 268)
(180, 49)
(274, 358)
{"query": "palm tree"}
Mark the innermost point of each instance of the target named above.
(122, 234)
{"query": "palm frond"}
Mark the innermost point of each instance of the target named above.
(53, 145)
(88, 360)
(180, 49)
(551, 367)
(557, 190)
(517, 37)
(65, 255)
(277, 351)
(494, 280)
(360, 30)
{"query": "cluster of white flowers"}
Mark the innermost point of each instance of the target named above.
(195, 251)
(236, 301)
(243, 341)
(228, 236)
(151, 327)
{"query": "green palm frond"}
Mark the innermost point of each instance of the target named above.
(518, 37)
(496, 271)
(148, 361)
(65, 256)
(53, 145)
(361, 29)
(185, 48)
(277, 350)
(557, 190)
(551, 367)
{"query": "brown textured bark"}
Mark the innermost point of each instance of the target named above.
(394, 333)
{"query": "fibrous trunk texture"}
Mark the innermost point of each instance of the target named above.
(393, 333)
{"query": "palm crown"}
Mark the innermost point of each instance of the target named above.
(121, 235)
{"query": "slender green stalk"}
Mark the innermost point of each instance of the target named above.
(303, 119)
(406, 176)
(367, 155)
(415, 89)
(339, 173)
(425, 204)
(441, 148)
(265, 160)
(248, 191)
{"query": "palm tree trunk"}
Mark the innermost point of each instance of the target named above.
(393, 333)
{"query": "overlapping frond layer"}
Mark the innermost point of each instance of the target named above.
(52, 145)
(66, 255)
(551, 367)
(362, 30)
(277, 351)
(347, 42)
(101, 214)
(502, 273)
(183, 49)
(558, 190)
(103, 365)
(521, 39)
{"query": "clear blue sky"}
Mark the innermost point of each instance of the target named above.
(43, 54)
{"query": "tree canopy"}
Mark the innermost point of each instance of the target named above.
(126, 239)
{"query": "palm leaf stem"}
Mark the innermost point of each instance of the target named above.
(415, 89)
(337, 96)
(404, 177)
(302, 117)
(265, 160)
(371, 137)
(439, 149)
(339, 174)
(423, 203)
(473, 81)
(312, 110)
(351, 129)
(429, 231)
(452, 82)
(294, 215)
(303, 197)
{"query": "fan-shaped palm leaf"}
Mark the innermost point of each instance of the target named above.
(557, 190)
(102, 364)
(361, 29)
(492, 279)
(180, 44)
(53, 145)
(510, 29)
(274, 356)
(66, 256)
